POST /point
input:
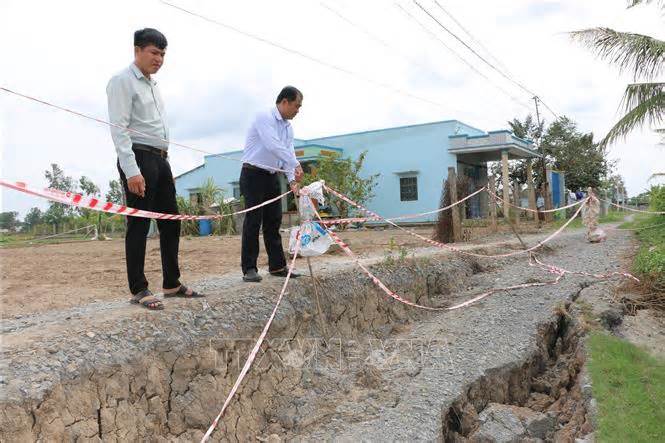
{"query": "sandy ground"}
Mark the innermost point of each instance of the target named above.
(57, 276)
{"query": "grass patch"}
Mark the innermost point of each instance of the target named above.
(575, 224)
(24, 240)
(613, 216)
(610, 217)
(629, 386)
(649, 262)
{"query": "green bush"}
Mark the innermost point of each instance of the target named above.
(657, 198)
(650, 259)
(188, 227)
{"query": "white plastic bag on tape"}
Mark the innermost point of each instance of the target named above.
(314, 240)
(308, 193)
(596, 235)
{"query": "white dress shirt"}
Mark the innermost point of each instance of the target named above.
(269, 143)
(134, 102)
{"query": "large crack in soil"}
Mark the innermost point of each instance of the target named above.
(175, 393)
(333, 358)
(537, 399)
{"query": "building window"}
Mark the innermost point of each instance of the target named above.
(236, 190)
(195, 198)
(408, 188)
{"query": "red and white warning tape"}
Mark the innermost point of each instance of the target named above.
(394, 295)
(535, 210)
(561, 271)
(257, 345)
(633, 209)
(453, 248)
(89, 202)
(339, 221)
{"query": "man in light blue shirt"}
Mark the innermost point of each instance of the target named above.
(134, 102)
(268, 150)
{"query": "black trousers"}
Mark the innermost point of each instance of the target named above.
(257, 186)
(159, 196)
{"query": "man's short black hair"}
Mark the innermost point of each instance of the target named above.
(290, 93)
(149, 36)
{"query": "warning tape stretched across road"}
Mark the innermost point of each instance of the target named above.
(394, 295)
(633, 209)
(536, 210)
(561, 271)
(89, 202)
(453, 248)
(401, 217)
(257, 345)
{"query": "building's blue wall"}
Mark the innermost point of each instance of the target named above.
(223, 171)
(419, 150)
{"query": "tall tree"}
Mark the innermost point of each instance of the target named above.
(343, 174)
(115, 194)
(88, 187)
(58, 180)
(565, 148)
(33, 218)
(575, 153)
(9, 220)
(57, 212)
(644, 56)
(529, 129)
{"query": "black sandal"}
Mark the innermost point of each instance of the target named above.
(147, 300)
(182, 292)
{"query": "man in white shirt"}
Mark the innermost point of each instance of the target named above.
(268, 150)
(134, 102)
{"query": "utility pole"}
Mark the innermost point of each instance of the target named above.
(546, 187)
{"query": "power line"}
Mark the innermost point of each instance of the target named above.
(379, 39)
(309, 57)
(461, 58)
(359, 27)
(477, 41)
(520, 85)
(471, 49)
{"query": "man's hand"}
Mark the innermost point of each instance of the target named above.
(136, 185)
(299, 173)
(295, 188)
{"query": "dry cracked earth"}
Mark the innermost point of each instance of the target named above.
(342, 362)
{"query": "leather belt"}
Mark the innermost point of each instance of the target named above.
(256, 168)
(157, 151)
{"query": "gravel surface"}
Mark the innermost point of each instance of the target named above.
(373, 398)
(500, 331)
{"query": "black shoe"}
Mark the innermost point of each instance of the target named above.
(284, 273)
(252, 276)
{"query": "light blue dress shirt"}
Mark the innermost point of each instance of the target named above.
(134, 102)
(269, 143)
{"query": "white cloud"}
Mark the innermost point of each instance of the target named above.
(214, 80)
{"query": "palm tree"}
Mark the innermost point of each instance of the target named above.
(644, 56)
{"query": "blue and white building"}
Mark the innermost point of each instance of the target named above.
(412, 162)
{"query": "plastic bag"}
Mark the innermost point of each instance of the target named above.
(308, 193)
(596, 235)
(314, 240)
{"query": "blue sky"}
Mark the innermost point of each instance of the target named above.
(214, 80)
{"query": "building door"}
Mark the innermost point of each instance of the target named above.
(472, 173)
(556, 189)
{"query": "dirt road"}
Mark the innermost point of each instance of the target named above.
(51, 277)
